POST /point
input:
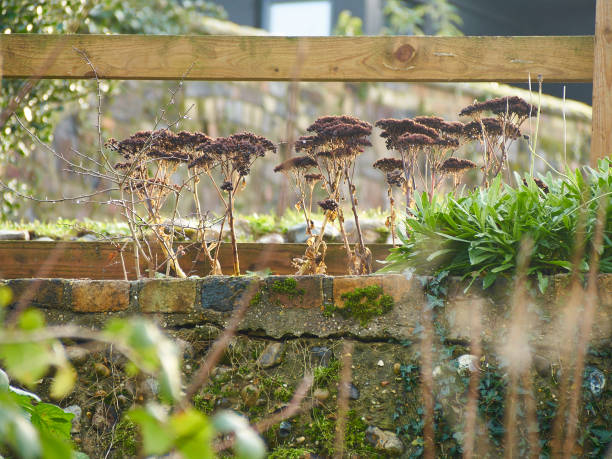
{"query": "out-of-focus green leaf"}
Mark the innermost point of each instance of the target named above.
(6, 296)
(27, 362)
(4, 381)
(31, 319)
(248, 443)
(193, 433)
(156, 439)
(63, 382)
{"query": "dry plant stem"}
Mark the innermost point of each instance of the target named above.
(216, 351)
(585, 329)
(294, 408)
(567, 335)
(391, 213)
(407, 168)
(202, 227)
(365, 266)
(519, 357)
(532, 417)
(343, 398)
(427, 386)
(230, 210)
(471, 410)
(319, 239)
(347, 246)
(291, 409)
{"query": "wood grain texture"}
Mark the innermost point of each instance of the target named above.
(378, 58)
(601, 143)
(101, 260)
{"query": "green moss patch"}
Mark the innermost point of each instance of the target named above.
(363, 304)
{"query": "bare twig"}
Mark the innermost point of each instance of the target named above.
(343, 398)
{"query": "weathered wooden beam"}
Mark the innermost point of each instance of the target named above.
(379, 58)
(102, 260)
(601, 142)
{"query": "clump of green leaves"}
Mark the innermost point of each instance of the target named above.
(323, 376)
(363, 304)
(30, 427)
(479, 235)
(321, 431)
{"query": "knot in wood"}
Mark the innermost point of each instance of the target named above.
(404, 53)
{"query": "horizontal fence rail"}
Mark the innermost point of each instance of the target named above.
(382, 58)
(102, 260)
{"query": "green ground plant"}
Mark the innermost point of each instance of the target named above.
(479, 234)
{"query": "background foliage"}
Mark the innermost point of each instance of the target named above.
(50, 97)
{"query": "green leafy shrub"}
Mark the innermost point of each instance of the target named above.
(480, 234)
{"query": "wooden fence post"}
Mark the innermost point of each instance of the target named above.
(601, 143)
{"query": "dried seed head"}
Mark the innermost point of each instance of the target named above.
(454, 165)
(446, 142)
(203, 161)
(173, 157)
(308, 144)
(541, 185)
(296, 163)
(323, 123)
(395, 128)
(493, 127)
(388, 164)
(227, 186)
(395, 178)
(311, 179)
(450, 128)
(500, 106)
(511, 105)
(328, 204)
(262, 144)
(407, 141)
(472, 109)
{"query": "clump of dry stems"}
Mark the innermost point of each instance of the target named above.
(498, 132)
(429, 136)
(151, 158)
(334, 146)
(232, 157)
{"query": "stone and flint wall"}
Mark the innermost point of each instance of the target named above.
(289, 332)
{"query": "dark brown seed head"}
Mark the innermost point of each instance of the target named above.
(541, 185)
(511, 105)
(296, 163)
(453, 165)
(493, 127)
(313, 178)
(323, 123)
(328, 204)
(414, 140)
(308, 144)
(395, 178)
(388, 164)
